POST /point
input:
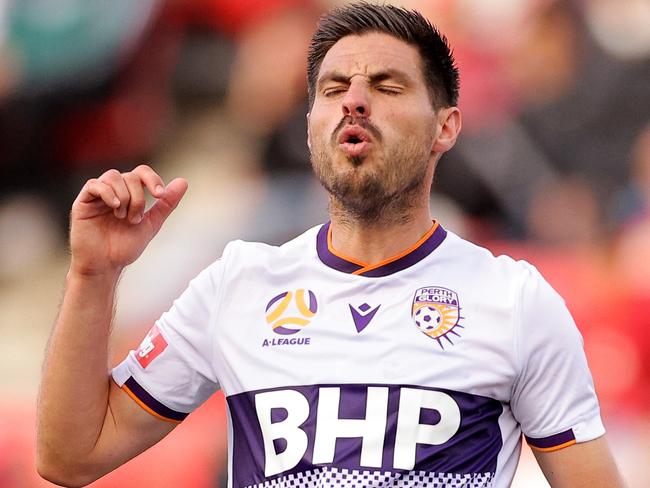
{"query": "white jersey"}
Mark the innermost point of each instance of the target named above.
(422, 370)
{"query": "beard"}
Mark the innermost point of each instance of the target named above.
(383, 193)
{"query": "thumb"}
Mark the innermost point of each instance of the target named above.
(166, 203)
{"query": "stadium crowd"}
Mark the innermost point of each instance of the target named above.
(553, 166)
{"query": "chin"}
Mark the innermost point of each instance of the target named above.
(356, 160)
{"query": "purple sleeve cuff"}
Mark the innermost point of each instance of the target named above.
(553, 442)
(150, 404)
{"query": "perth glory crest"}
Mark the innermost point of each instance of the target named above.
(436, 312)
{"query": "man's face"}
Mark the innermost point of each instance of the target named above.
(372, 125)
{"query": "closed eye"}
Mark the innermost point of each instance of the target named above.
(389, 90)
(330, 92)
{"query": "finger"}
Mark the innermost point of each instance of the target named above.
(165, 205)
(137, 202)
(94, 190)
(151, 180)
(115, 180)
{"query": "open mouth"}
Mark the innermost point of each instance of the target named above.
(353, 135)
(353, 140)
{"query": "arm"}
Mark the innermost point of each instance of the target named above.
(554, 397)
(588, 464)
(86, 425)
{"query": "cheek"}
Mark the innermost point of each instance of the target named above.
(319, 131)
(419, 130)
(399, 122)
(323, 119)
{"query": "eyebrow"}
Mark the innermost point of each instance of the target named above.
(387, 74)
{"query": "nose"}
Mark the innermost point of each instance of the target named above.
(356, 102)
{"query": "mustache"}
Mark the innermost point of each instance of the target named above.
(362, 122)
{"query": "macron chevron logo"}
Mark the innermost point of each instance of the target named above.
(363, 315)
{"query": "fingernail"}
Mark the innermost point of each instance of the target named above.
(159, 190)
(136, 219)
(116, 201)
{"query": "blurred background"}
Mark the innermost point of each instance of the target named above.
(553, 166)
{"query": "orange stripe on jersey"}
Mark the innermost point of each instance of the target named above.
(423, 239)
(146, 408)
(338, 254)
(554, 448)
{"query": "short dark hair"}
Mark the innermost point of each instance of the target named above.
(439, 68)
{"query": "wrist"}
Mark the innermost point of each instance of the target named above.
(94, 274)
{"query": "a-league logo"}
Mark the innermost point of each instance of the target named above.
(290, 311)
(436, 312)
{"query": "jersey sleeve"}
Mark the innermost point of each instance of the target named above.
(554, 399)
(171, 372)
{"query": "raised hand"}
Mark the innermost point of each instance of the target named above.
(109, 227)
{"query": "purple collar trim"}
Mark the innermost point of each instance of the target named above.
(341, 264)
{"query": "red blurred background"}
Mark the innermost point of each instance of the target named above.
(553, 167)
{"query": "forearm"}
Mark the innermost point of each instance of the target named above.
(74, 390)
(587, 464)
(83, 432)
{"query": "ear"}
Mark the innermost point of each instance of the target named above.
(450, 124)
(308, 133)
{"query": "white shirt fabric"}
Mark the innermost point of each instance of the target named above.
(424, 370)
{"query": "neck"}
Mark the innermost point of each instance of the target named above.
(373, 242)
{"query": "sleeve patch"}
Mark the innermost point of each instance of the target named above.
(553, 442)
(151, 347)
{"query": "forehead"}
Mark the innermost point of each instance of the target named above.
(372, 52)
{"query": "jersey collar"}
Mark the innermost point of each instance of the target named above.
(416, 253)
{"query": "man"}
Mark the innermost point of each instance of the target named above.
(375, 350)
